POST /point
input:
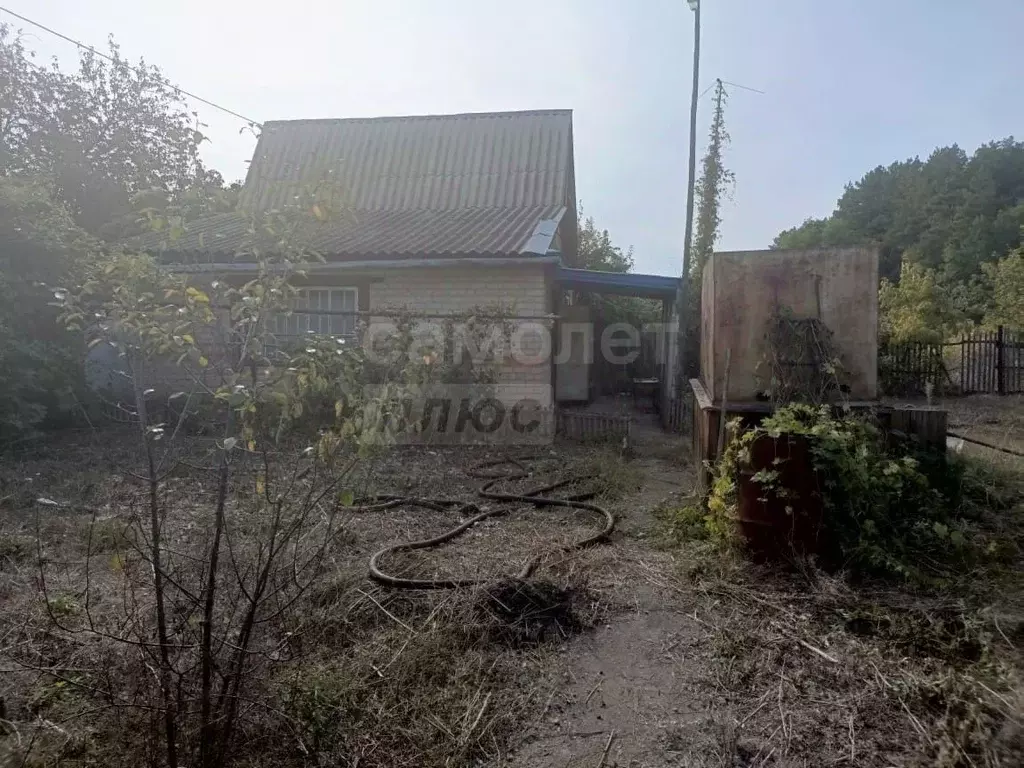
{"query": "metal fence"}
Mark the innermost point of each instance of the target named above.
(982, 362)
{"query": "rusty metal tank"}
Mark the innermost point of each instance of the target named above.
(784, 517)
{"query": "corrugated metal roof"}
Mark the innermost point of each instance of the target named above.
(434, 162)
(476, 184)
(477, 232)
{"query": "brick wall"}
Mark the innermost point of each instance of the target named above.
(453, 290)
(440, 291)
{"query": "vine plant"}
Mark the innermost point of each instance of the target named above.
(882, 514)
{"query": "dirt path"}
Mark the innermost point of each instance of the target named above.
(625, 692)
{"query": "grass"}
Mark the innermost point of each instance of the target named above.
(428, 681)
(821, 668)
(791, 665)
(356, 675)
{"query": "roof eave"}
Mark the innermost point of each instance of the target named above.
(328, 266)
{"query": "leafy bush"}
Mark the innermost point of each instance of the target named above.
(39, 362)
(883, 509)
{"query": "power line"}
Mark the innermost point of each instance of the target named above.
(112, 60)
(744, 87)
(734, 85)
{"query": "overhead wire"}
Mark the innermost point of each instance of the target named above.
(91, 49)
(730, 83)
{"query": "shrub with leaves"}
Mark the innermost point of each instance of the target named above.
(213, 607)
(40, 249)
(881, 512)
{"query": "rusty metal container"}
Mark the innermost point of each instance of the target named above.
(783, 517)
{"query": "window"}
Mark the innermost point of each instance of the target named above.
(330, 311)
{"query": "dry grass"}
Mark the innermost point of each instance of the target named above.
(818, 669)
(357, 676)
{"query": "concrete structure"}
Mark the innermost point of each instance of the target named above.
(741, 291)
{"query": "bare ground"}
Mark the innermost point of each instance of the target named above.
(676, 657)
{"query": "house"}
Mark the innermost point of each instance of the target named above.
(436, 214)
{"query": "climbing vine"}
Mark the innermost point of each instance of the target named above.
(801, 361)
(882, 513)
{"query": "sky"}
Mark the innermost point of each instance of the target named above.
(848, 85)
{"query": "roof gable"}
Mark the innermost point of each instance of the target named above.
(435, 162)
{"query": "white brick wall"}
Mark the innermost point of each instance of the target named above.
(455, 290)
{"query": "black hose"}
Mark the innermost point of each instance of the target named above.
(986, 445)
(534, 497)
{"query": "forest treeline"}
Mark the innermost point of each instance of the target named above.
(948, 230)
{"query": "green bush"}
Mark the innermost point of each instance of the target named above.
(887, 510)
(40, 362)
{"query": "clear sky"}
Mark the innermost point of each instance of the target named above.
(850, 84)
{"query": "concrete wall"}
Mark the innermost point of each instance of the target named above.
(742, 289)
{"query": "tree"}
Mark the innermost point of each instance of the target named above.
(99, 135)
(1006, 282)
(215, 605)
(952, 214)
(40, 249)
(953, 210)
(105, 151)
(596, 250)
(918, 307)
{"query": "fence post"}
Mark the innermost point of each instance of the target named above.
(1000, 362)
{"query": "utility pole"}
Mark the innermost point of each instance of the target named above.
(682, 310)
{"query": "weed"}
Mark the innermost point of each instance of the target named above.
(14, 549)
(884, 511)
(437, 685)
(107, 534)
(64, 604)
(608, 473)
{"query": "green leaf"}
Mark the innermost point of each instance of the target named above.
(346, 497)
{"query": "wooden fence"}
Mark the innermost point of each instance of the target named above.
(586, 425)
(677, 416)
(983, 362)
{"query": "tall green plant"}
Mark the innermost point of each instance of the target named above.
(100, 134)
(41, 249)
(714, 180)
(1005, 279)
(919, 307)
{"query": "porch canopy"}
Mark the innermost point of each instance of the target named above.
(618, 283)
(657, 287)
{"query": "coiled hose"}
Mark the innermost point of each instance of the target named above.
(485, 471)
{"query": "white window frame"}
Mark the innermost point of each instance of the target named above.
(301, 319)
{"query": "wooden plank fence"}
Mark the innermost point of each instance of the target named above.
(677, 416)
(586, 425)
(982, 362)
